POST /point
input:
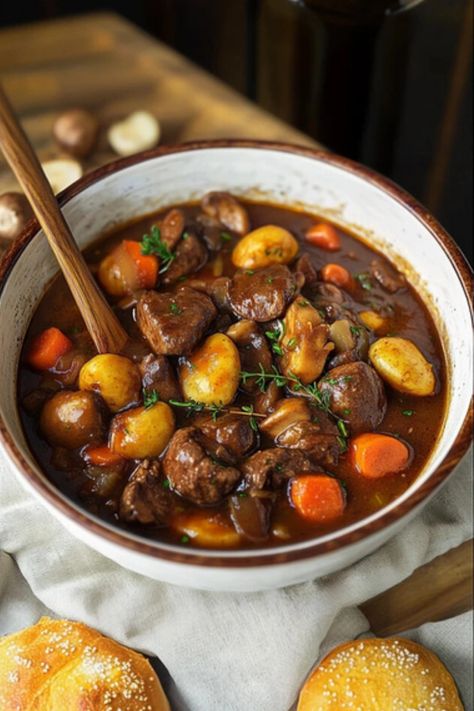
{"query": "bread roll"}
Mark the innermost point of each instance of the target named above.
(58, 665)
(380, 674)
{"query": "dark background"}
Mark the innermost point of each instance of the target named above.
(391, 89)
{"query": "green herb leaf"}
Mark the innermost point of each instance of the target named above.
(364, 281)
(150, 398)
(175, 309)
(184, 539)
(226, 237)
(408, 413)
(153, 244)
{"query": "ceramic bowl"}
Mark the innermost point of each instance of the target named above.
(349, 194)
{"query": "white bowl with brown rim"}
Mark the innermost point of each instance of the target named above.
(353, 196)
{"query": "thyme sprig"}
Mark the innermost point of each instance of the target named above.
(262, 378)
(193, 407)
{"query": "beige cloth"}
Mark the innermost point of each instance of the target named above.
(225, 652)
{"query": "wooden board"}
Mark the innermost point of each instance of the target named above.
(102, 62)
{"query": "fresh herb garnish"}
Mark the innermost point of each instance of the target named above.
(249, 272)
(184, 539)
(408, 413)
(292, 343)
(165, 483)
(364, 281)
(355, 330)
(342, 427)
(193, 407)
(175, 309)
(226, 237)
(153, 244)
(248, 410)
(150, 398)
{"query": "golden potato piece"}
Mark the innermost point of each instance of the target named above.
(265, 246)
(71, 419)
(207, 529)
(211, 374)
(116, 378)
(142, 432)
(401, 364)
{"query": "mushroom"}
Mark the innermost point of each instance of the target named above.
(137, 132)
(15, 211)
(76, 132)
(61, 173)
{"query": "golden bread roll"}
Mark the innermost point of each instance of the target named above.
(57, 665)
(380, 675)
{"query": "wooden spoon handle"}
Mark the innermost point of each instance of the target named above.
(101, 322)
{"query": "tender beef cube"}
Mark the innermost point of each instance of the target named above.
(331, 302)
(305, 266)
(229, 436)
(262, 295)
(320, 446)
(174, 323)
(386, 277)
(158, 375)
(210, 231)
(356, 394)
(193, 473)
(224, 208)
(271, 468)
(253, 349)
(172, 227)
(144, 499)
(190, 256)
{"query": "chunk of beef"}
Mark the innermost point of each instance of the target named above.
(271, 468)
(227, 210)
(158, 375)
(144, 499)
(262, 295)
(174, 323)
(229, 437)
(253, 349)
(320, 446)
(190, 256)
(356, 394)
(193, 473)
(172, 227)
(388, 278)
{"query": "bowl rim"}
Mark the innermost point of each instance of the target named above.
(249, 557)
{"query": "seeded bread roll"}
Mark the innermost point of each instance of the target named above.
(380, 674)
(58, 665)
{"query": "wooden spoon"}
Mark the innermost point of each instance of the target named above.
(101, 322)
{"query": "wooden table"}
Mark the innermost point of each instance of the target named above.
(102, 62)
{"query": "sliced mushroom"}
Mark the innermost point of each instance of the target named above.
(15, 211)
(61, 173)
(287, 412)
(227, 210)
(305, 342)
(250, 516)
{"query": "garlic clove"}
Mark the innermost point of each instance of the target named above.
(61, 173)
(137, 132)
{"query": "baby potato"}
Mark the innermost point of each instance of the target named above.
(114, 377)
(206, 529)
(142, 432)
(263, 247)
(211, 374)
(401, 364)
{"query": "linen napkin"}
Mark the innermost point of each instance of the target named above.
(225, 652)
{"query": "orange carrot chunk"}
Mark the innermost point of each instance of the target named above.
(336, 274)
(377, 455)
(317, 497)
(47, 347)
(101, 456)
(324, 236)
(146, 264)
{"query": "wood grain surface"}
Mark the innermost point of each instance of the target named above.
(103, 63)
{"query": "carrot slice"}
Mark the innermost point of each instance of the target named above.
(101, 456)
(146, 264)
(47, 347)
(324, 236)
(336, 274)
(317, 497)
(377, 455)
